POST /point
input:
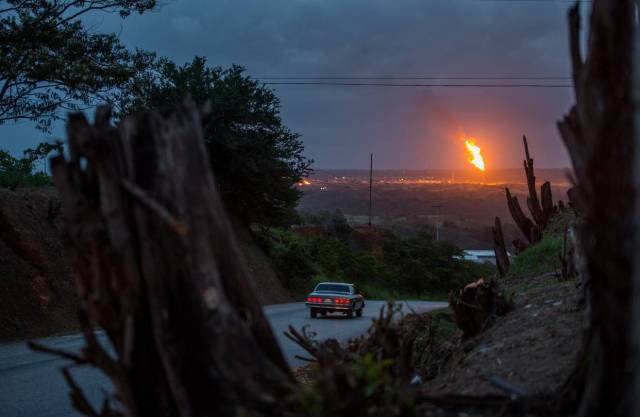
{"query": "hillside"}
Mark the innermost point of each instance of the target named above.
(37, 291)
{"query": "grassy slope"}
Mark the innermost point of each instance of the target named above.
(538, 259)
(543, 256)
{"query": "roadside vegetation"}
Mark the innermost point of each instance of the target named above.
(538, 259)
(23, 171)
(544, 256)
(384, 265)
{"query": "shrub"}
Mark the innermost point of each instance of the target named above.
(15, 172)
(408, 267)
(538, 259)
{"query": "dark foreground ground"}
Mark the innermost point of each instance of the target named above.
(32, 385)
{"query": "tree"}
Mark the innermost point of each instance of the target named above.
(15, 172)
(49, 60)
(421, 264)
(255, 158)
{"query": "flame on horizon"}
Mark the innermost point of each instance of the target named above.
(475, 155)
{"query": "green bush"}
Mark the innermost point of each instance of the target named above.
(19, 172)
(538, 259)
(417, 267)
(423, 265)
(291, 257)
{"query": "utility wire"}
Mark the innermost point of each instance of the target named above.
(534, 1)
(415, 78)
(361, 84)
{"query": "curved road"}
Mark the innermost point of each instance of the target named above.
(31, 384)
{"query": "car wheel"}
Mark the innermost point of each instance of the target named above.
(359, 313)
(313, 313)
(349, 314)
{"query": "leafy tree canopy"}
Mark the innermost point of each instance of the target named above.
(49, 60)
(255, 158)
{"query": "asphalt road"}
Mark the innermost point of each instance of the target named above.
(31, 384)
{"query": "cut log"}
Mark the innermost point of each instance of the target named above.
(159, 270)
(499, 248)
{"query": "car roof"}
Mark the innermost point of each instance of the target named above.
(339, 283)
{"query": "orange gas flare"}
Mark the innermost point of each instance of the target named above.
(475, 156)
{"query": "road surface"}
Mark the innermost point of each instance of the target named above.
(32, 386)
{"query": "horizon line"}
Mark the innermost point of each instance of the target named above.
(433, 169)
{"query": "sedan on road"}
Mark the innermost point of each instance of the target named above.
(335, 297)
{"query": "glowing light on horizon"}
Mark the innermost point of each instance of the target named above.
(475, 155)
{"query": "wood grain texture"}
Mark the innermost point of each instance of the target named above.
(159, 270)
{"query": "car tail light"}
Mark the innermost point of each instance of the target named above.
(328, 300)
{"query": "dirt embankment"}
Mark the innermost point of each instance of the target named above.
(37, 292)
(534, 348)
(267, 285)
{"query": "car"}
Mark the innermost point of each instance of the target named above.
(335, 297)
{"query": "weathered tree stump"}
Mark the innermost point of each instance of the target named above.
(159, 270)
(499, 248)
(546, 197)
(532, 200)
(522, 221)
(541, 210)
(567, 265)
(599, 135)
(475, 304)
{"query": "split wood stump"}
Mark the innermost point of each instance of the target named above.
(158, 268)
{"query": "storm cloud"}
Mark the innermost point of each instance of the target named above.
(408, 127)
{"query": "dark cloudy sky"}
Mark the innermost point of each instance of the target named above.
(411, 128)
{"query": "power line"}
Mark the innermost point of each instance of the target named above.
(365, 84)
(415, 78)
(535, 1)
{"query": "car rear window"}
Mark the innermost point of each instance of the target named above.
(332, 288)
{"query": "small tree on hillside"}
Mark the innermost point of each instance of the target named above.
(255, 158)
